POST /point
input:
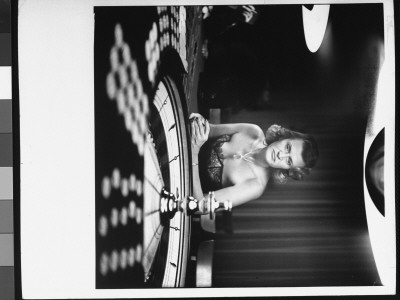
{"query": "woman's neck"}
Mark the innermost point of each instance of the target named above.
(256, 155)
(259, 157)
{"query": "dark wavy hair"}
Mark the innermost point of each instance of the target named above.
(309, 154)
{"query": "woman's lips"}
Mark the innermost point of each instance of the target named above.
(273, 155)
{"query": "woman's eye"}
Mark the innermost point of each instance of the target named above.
(289, 162)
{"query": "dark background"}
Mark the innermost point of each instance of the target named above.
(5, 16)
(310, 233)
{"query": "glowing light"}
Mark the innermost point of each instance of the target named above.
(131, 257)
(139, 187)
(106, 187)
(139, 215)
(132, 182)
(126, 54)
(139, 253)
(124, 216)
(114, 261)
(143, 123)
(135, 132)
(132, 209)
(161, 23)
(118, 35)
(151, 71)
(138, 88)
(123, 75)
(116, 178)
(153, 33)
(111, 86)
(114, 217)
(114, 58)
(140, 144)
(128, 119)
(124, 187)
(134, 70)
(103, 226)
(147, 47)
(145, 104)
(104, 264)
(314, 23)
(121, 101)
(123, 259)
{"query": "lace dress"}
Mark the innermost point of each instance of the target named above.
(211, 163)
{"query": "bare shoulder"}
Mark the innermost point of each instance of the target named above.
(252, 130)
(262, 176)
(260, 181)
(235, 128)
(259, 176)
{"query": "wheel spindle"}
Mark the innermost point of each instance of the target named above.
(191, 206)
(208, 205)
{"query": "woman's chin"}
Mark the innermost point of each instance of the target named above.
(268, 158)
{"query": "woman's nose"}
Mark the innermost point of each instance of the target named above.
(282, 155)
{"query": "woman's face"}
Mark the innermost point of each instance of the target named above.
(285, 154)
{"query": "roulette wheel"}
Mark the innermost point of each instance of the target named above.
(170, 162)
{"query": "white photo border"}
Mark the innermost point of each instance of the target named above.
(55, 40)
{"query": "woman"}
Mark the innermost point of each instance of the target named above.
(236, 161)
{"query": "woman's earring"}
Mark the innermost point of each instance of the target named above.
(265, 143)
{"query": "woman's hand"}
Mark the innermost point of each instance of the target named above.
(196, 115)
(200, 129)
(248, 12)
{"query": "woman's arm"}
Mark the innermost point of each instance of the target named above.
(199, 136)
(216, 130)
(238, 194)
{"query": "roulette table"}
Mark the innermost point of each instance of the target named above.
(142, 159)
